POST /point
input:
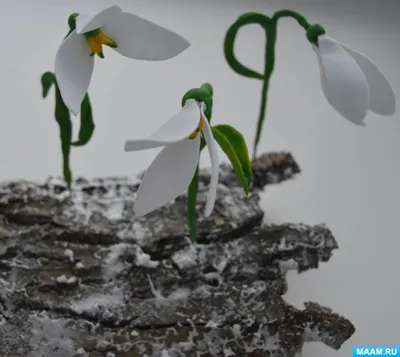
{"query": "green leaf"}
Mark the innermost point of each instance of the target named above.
(87, 124)
(234, 145)
(48, 79)
(63, 119)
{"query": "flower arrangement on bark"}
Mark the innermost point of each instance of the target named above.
(351, 83)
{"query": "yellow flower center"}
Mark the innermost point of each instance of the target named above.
(197, 131)
(96, 39)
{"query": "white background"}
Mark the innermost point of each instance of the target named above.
(350, 177)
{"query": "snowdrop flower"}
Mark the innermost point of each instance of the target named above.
(171, 172)
(128, 34)
(352, 83)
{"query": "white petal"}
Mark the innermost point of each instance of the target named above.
(86, 22)
(141, 39)
(213, 151)
(73, 70)
(177, 128)
(168, 176)
(342, 80)
(383, 99)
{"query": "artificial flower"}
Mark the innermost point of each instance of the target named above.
(171, 172)
(128, 34)
(352, 83)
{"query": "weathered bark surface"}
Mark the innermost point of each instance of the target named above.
(80, 276)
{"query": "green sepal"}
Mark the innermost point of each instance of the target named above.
(71, 23)
(87, 125)
(48, 79)
(234, 145)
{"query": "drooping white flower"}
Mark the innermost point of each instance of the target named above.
(172, 171)
(352, 83)
(128, 34)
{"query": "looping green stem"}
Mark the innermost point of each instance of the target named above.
(230, 37)
(294, 15)
(269, 24)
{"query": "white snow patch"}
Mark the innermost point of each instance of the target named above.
(179, 294)
(186, 258)
(115, 210)
(156, 293)
(311, 335)
(92, 304)
(144, 260)
(134, 333)
(48, 336)
(102, 345)
(286, 265)
(228, 352)
(237, 330)
(211, 324)
(64, 280)
(69, 254)
(80, 352)
(165, 353)
(79, 265)
(115, 261)
(114, 265)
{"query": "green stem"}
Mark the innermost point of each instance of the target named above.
(294, 15)
(64, 122)
(192, 198)
(270, 26)
(203, 94)
(269, 65)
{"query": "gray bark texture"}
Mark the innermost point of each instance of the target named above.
(81, 276)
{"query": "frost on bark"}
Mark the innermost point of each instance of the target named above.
(80, 276)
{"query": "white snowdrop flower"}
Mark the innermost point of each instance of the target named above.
(352, 83)
(128, 34)
(172, 171)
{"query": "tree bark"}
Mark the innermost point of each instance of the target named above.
(81, 276)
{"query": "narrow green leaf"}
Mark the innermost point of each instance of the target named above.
(63, 120)
(233, 144)
(87, 125)
(62, 117)
(48, 79)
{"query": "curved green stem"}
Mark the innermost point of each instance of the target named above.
(229, 43)
(270, 27)
(294, 15)
(269, 65)
(203, 94)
